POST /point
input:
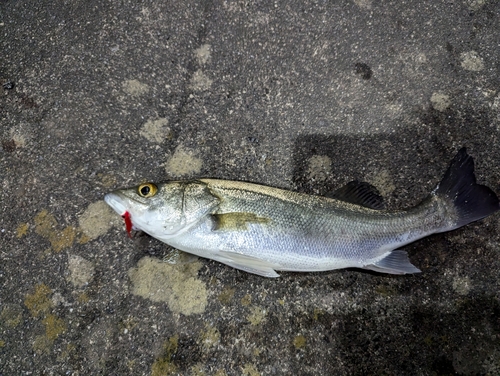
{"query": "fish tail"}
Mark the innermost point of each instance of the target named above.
(471, 201)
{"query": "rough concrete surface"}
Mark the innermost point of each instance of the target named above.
(304, 95)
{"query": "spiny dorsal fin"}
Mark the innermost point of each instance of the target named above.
(359, 193)
(236, 221)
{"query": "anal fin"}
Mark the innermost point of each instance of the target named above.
(248, 264)
(395, 262)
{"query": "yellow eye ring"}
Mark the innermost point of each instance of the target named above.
(147, 190)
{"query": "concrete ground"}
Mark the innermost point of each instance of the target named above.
(304, 95)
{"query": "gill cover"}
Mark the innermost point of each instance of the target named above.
(176, 207)
(197, 201)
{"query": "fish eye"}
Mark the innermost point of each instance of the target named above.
(147, 190)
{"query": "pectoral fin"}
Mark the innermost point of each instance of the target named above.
(247, 263)
(396, 262)
(236, 221)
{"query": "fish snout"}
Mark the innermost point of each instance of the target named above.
(116, 203)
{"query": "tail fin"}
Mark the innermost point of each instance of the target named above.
(472, 201)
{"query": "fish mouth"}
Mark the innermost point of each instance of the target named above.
(116, 203)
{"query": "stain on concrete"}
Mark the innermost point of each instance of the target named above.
(135, 88)
(177, 285)
(200, 81)
(363, 70)
(156, 130)
(81, 271)
(46, 226)
(471, 61)
(440, 101)
(183, 162)
(97, 219)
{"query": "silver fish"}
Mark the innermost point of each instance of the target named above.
(260, 229)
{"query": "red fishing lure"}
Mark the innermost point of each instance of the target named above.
(128, 223)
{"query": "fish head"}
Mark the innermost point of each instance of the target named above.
(164, 210)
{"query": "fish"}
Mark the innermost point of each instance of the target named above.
(262, 230)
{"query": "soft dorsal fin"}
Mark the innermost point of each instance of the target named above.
(359, 193)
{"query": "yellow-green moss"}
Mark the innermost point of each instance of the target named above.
(127, 324)
(197, 370)
(256, 315)
(226, 295)
(42, 344)
(83, 297)
(250, 370)
(11, 315)
(46, 226)
(299, 342)
(39, 303)
(163, 365)
(209, 337)
(21, 230)
(246, 300)
(54, 326)
(317, 313)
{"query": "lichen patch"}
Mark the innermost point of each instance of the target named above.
(319, 168)
(39, 303)
(97, 219)
(81, 271)
(183, 162)
(471, 61)
(46, 226)
(200, 82)
(177, 285)
(156, 130)
(440, 101)
(21, 230)
(202, 54)
(135, 87)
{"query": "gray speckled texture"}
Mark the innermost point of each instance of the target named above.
(304, 95)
